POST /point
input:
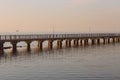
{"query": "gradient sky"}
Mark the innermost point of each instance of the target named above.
(65, 15)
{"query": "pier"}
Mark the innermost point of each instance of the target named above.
(69, 39)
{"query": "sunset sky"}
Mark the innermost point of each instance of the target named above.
(64, 15)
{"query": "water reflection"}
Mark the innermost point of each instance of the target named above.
(22, 53)
(76, 63)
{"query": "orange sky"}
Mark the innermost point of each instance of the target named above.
(65, 15)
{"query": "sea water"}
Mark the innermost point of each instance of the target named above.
(98, 62)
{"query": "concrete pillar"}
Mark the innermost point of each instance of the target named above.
(108, 40)
(113, 40)
(50, 44)
(41, 45)
(81, 42)
(1, 47)
(104, 41)
(14, 44)
(118, 39)
(74, 43)
(66, 43)
(77, 42)
(28, 45)
(59, 43)
(98, 41)
(93, 41)
(86, 42)
(69, 43)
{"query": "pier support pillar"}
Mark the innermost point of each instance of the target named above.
(118, 39)
(93, 41)
(69, 43)
(41, 45)
(108, 40)
(113, 40)
(1, 47)
(81, 42)
(50, 44)
(66, 43)
(98, 41)
(59, 43)
(86, 42)
(14, 44)
(76, 42)
(28, 45)
(104, 41)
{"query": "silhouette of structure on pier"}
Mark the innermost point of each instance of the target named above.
(78, 39)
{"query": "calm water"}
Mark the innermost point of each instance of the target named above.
(82, 63)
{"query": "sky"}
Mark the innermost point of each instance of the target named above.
(60, 15)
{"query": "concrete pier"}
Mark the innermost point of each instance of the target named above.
(40, 45)
(1, 46)
(50, 44)
(77, 39)
(93, 41)
(98, 41)
(14, 44)
(59, 43)
(28, 45)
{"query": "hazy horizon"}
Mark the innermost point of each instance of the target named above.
(64, 15)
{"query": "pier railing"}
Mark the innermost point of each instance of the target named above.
(53, 36)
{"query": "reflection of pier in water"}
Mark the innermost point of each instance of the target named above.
(10, 57)
(24, 56)
(60, 39)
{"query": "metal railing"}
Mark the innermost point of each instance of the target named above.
(54, 36)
